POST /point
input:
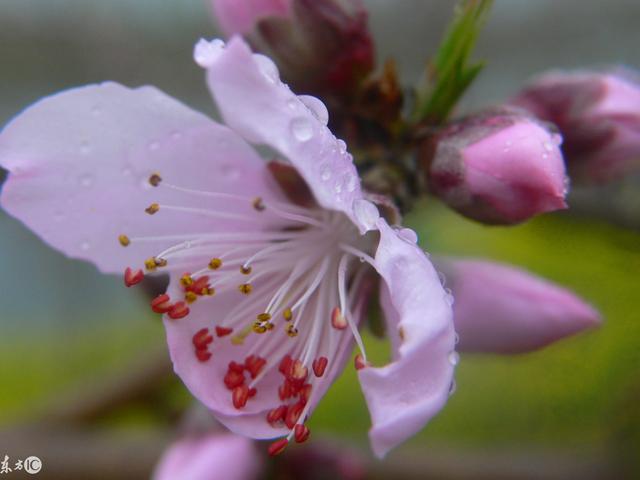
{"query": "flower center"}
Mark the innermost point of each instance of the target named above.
(300, 275)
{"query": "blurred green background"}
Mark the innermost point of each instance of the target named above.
(63, 325)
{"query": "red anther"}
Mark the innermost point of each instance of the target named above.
(240, 395)
(298, 372)
(277, 415)
(284, 390)
(201, 339)
(178, 310)
(305, 393)
(203, 355)
(254, 365)
(132, 277)
(338, 320)
(319, 365)
(293, 414)
(285, 365)
(233, 379)
(253, 392)
(198, 285)
(161, 304)
(359, 362)
(301, 433)
(278, 446)
(235, 367)
(223, 331)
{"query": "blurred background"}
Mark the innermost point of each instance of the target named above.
(75, 345)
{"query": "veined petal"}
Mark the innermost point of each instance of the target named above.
(215, 455)
(502, 309)
(80, 164)
(255, 103)
(403, 395)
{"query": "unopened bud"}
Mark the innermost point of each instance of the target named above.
(320, 46)
(598, 115)
(498, 167)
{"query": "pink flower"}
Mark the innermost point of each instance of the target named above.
(501, 309)
(598, 115)
(268, 315)
(320, 46)
(499, 167)
(209, 457)
(241, 16)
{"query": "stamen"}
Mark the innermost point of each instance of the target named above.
(178, 310)
(186, 280)
(161, 304)
(287, 314)
(301, 433)
(215, 263)
(245, 269)
(338, 321)
(277, 415)
(258, 204)
(245, 288)
(155, 179)
(223, 332)
(124, 240)
(319, 365)
(150, 264)
(291, 330)
(277, 447)
(132, 277)
(360, 362)
(239, 396)
(190, 297)
(152, 209)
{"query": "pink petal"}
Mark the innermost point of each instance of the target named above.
(255, 103)
(240, 16)
(403, 395)
(212, 456)
(501, 309)
(80, 162)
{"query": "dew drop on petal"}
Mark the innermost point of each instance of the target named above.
(267, 68)
(408, 235)
(452, 387)
(292, 103)
(566, 185)
(316, 107)
(548, 146)
(205, 53)
(301, 129)
(342, 146)
(352, 183)
(366, 213)
(325, 173)
(454, 358)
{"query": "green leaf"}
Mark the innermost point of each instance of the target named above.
(450, 73)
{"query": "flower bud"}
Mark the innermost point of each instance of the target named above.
(498, 167)
(502, 309)
(598, 115)
(320, 46)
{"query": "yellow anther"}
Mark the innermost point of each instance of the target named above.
(291, 330)
(215, 263)
(153, 208)
(245, 270)
(186, 280)
(269, 325)
(150, 263)
(258, 327)
(245, 288)
(237, 340)
(258, 204)
(190, 297)
(155, 179)
(161, 262)
(287, 314)
(210, 291)
(124, 240)
(264, 317)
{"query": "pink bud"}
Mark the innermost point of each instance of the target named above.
(213, 455)
(499, 167)
(320, 46)
(240, 16)
(598, 115)
(502, 309)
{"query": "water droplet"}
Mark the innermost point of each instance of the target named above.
(566, 183)
(548, 146)
(267, 68)
(316, 107)
(85, 245)
(205, 53)
(408, 235)
(342, 147)
(352, 183)
(366, 213)
(85, 148)
(443, 279)
(301, 129)
(338, 186)
(292, 103)
(457, 338)
(325, 173)
(452, 387)
(85, 180)
(454, 358)
(448, 297)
